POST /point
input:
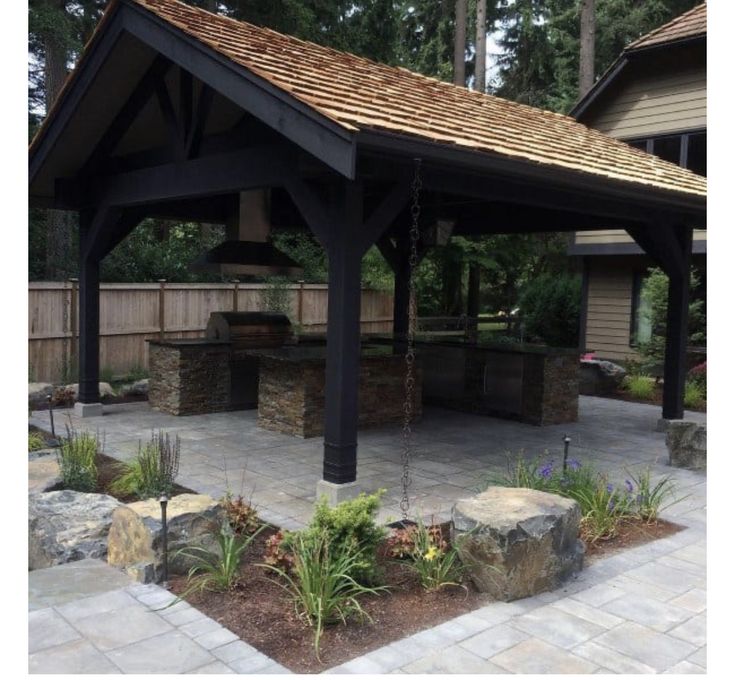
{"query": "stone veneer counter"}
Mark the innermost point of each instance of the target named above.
(532, 383)
(291, 388)
(189, 377)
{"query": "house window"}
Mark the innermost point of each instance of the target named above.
(640, 313)
(668, 148)
(697, 153)
(688, 150)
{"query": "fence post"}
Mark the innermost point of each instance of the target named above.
(73, 323)
(300, 304)
(235, 294)
(161, 308)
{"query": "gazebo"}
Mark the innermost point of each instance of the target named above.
(173, 111)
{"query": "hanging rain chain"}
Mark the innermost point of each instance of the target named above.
(410, 384)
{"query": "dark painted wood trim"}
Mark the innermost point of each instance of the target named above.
(325, 139)
(601, 86)
(75, 90)
(476, 174)
(584, 305)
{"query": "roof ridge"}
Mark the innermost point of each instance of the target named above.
(667, 26)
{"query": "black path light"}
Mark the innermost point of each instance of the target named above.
(163, 500)
(51, 415)
(567, 441)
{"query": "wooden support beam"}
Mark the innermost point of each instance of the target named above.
(677, 326)
(169, 117)
(127, 114)
(194, 139)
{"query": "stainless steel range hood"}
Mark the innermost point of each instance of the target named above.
(248, 248)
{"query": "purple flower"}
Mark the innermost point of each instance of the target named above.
(629, 486)
(547, 469)
(574, 464)
(610, 488)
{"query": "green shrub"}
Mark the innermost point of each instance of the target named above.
(639, 386)
(77, 460)
(321, 582)
(153, 470)
(216, 569)
(106, 374)
(602, 510)
(520, 473)
(650, 498)
(35, 441)
(351, 525)
(549, 307)
(693, 394)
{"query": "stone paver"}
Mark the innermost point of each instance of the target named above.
(641, 611)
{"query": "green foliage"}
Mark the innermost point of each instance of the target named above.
(36, 441)
(350, 526)
(303, 248)
(160, 250)
(77, 460)
(276, 295)
(435, 561)
(655, 293)
(651, 499)
(321, 584)
(218, 569)
(153, 470)
(640, 387)
(693, 394)
(550, 309)
(137, 373)
(602, 510)
(106, 374)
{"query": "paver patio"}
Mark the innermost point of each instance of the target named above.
(640, 611)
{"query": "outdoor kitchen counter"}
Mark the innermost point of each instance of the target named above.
(291, 388)
(536, 384)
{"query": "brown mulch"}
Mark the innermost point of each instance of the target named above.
(630, 533)
(260, 612)
(42, 404)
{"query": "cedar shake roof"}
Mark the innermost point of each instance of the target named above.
(364, 96)
(688, 25)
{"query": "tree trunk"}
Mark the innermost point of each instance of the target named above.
(586, 46)
(481, 45)
(460, 41)
(58, 222)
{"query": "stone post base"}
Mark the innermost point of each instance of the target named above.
(87, 410)
(336, 493)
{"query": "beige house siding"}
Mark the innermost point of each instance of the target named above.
(655, 104)
(606, 236)
(609, 300)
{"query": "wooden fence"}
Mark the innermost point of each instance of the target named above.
(131, 313)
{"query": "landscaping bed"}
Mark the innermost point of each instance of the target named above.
(656, 399)
(258, 610)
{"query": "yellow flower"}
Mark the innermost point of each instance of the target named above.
(431, 553)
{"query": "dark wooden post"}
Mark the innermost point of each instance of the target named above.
(677, 328)
(300, 305)
(235, 294)
(73, 326)
(89, 316)
(343, 336)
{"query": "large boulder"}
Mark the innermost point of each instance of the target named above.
(43, 474)
(599, 378)
(104, 388)
(38, 391)
(687, 444)
(138, 389)
(516, 543)
(65, 526)
(135, 541)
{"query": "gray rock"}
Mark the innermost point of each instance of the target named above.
(515, 543)
(39, 390)
(136, 536)
(599, 378)
(139, 388)
(43, 474)
(64, 526)
(687, 444)
(105, 389)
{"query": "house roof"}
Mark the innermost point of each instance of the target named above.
(361, 96)
(691, 24)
